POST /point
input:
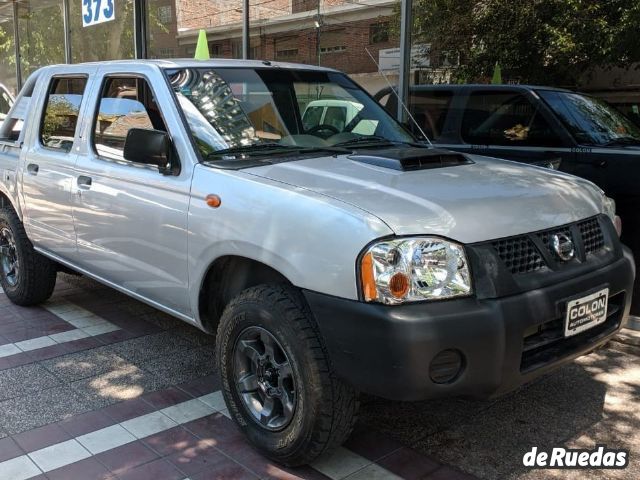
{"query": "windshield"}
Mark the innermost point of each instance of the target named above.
(242, 110)
(592, 121)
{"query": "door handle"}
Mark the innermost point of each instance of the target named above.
(32, 168)
(84, 182)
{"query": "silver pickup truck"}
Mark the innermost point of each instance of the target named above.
(330, 259)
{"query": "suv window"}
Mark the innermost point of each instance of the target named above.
(62, 108)
(336, 117)
(429, 109)
(125, 103)
(505, 118)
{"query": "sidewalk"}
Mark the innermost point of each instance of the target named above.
(95, 385)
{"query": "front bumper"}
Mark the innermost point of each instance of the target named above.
(387, 350)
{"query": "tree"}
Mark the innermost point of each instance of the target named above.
(537, 41)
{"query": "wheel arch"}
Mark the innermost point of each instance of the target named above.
(227, 276)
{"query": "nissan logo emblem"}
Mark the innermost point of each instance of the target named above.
(563, 246)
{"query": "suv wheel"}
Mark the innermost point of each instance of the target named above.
(277, 380)
(26, 277)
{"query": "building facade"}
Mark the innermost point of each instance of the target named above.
(350, 35)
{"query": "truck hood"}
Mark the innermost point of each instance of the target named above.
(483, 200)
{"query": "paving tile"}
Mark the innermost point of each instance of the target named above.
(187, 411)
(373, 472)
(47, 352)
(63, 337)
(9, 449)
(100, 329)
(340, 464)
(59, 455)
(215, 400)
(409, 464)
(126, 457)
(171, 441)
(151, 346)
(35, 343)
(24, 380)
(123, 383)
(128, 409)
(15, 361)
(183, 366)
(149, 424)
(105, 439)
(371, 444)
(87, 469)
(19, 468)
(9, 349)
(77, 366)
(223, 471)
(201, 386)
(41, 437)
(115, 337)
(86, 422)
(156, 470)
(200, 457)
(41, 408)
(215, 428)
(166, 398)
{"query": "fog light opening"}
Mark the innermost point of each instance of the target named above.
(446, 366)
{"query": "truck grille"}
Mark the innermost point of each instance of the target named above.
(592, 236)
(522, 254)
(519, 254)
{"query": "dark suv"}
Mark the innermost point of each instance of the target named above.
(555, 128)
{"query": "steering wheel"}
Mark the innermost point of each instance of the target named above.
(323, 127)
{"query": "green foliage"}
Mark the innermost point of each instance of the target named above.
(536, 41)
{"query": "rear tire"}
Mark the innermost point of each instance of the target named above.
(290, 404)
(26, 277)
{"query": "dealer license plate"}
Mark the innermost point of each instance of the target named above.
(586, 312)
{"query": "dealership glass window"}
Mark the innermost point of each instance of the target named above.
(430, 108)
(112, 40)
(125, 103)
(41, 31)
(379, 32)
(60, 119)
(8, 83)
(162, 31)
(505, 118)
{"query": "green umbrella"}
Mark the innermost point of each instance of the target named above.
(202, 48)
(497, 75)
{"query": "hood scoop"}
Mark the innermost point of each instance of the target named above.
(410, 159)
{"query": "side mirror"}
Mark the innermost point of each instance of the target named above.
(151, 147)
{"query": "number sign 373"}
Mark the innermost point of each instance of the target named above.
(97, 11)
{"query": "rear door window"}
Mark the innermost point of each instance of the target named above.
(506, 118)
(62, 108)
(429, 109)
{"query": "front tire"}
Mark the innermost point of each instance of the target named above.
(26, 277)
(277, 380)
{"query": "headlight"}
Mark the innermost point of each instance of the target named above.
(413, 270)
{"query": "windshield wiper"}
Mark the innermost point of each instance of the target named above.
(366, 141)
(270, 148)
(622, 141)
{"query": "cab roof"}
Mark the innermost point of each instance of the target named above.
(213, 63)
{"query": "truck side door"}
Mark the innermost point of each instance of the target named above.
(131, 221)
(49, 157)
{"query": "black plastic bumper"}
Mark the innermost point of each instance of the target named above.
(387, 350)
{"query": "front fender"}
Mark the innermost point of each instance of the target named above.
(311, 239)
